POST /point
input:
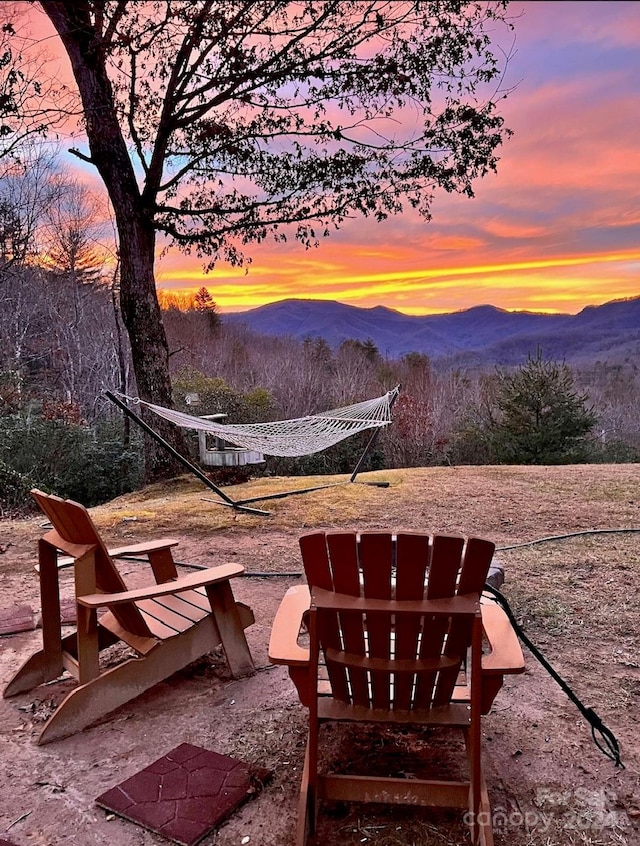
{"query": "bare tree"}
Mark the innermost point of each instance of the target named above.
(73, 237)
(25, 193)
(356, 373)
(27, 190)
(58, 332)
(83, 331)
(31, 101)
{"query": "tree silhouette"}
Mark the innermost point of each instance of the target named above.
(205, 305)
(218, 124)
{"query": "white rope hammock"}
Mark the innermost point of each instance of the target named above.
(291, 438)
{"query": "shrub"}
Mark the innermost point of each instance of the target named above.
(14, 491)
(87, 464)
(615, 451)
(216, 397)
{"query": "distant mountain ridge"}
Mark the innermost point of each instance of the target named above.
(480, 335)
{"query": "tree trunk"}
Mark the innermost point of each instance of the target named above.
(149, 351)
(134, 221)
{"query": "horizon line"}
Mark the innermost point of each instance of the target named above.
(179, 293)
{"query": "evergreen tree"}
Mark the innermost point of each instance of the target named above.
(204, 304)
(542, 419)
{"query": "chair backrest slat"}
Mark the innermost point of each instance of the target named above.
(444, 567)
(342, 548)
(376, 563)
(475, 565)
(413, 554)
(316, 560)
(318, 553)
(73, 523)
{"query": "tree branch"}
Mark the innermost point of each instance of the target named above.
(75, 152)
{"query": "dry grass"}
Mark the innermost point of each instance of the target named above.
(509, 503)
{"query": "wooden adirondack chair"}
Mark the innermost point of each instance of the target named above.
(396, 629)
(168, 624)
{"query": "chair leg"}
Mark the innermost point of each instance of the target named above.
(228, 619)
(36, 670)
(50, 603)
(305, 812)
(479, 809)
(307, 805)
(122, 683)
(485, 821)
(479, 815)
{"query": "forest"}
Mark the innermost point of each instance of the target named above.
(62, 344)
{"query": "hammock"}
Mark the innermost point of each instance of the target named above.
(290, 438)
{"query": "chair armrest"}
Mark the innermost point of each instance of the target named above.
(194, 580)
(143, 548)
(283, 644)
(157, 553)
(506, 655)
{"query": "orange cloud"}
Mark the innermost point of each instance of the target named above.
(547, 284)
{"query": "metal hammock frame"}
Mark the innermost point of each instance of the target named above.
(287, 438)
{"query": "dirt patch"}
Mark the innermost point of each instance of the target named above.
(577, 598)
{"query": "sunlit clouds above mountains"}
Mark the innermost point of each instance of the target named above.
(556, 229)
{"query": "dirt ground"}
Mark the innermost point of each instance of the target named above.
(576, 597)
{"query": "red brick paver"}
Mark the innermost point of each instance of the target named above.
(185, 794)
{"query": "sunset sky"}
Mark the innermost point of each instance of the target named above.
(558, 227)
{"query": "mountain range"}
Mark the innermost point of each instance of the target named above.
(480, 335)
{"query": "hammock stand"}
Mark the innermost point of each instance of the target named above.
(245, 505)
